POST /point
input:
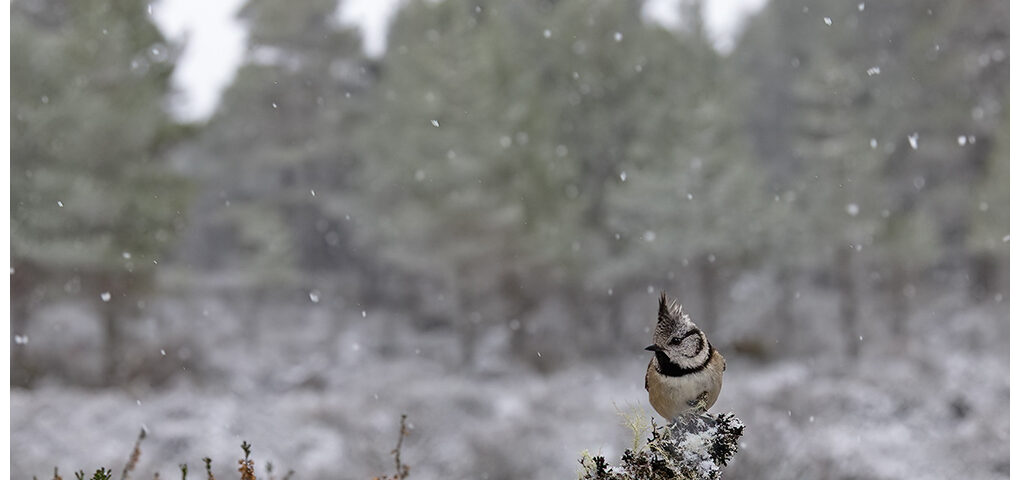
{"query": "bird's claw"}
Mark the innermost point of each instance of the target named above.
(700, 403)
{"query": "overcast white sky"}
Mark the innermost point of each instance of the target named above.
(215, 39)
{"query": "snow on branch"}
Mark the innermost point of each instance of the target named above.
(695, 447)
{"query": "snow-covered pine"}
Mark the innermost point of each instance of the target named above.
(695, 447)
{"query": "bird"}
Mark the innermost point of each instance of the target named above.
(685, 373)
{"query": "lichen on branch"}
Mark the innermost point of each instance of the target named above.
(694, 447)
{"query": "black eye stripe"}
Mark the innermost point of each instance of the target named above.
(668, 368)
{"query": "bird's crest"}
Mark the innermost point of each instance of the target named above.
(670, 311)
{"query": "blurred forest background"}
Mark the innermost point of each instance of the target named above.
(474, 227)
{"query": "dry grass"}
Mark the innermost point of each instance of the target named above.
(402, 470)
(208, 469)
(638, 421)
(136, 453)
(246, 464)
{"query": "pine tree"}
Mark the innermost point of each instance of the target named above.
(95, 205)
(275, 156)
(695, 206)
(526, 131)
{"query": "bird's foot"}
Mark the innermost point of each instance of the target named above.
(700, 404)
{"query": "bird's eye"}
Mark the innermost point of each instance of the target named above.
(674, 341)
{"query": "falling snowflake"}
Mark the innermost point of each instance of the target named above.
(828, 21)
(105, 296)
(852, 209)
(912, 138)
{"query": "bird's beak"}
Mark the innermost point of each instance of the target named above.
(653, 348)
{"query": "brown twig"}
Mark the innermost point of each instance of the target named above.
(402, 470)
(136, 453)
(208, 469)
(247, 467)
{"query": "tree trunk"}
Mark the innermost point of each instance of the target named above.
(111, 342)
(900, 303)
(21, 372)
(520, 305)
(708, 279)
(848, 312)
(24, 282)
(784, 307)
(467, 325)
(614, 310)
(468, 339)
(613, 304)
(983, 272)
(982, 265)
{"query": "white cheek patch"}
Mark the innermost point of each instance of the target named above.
(691, 346)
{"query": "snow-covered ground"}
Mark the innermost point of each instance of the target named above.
(934, 406)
